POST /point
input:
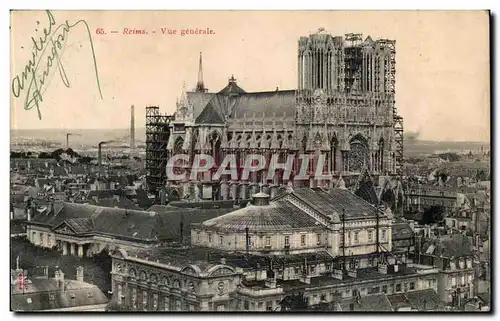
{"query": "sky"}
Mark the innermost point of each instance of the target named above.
(442, 63)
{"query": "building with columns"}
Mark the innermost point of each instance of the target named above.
(343, 108)
(84, 230)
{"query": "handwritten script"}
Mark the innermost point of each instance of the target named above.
(47, 52)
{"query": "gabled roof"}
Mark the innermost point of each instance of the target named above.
(365, 188)
(335, 200)
(120, 223)
(45, 295)
(173, 216)
(209, 115)
(232, 88)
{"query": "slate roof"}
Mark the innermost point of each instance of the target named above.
(199, 100)
(365, 188)
(43, 294)
(209, 256)
(368, 303)
(336, 200)
(120, 223)
(173, 216)
(106, 193)
(457, 245)
(122, 202)
(281, 103)
(279, 215)
(232, 88)
(401, 231)
(423, 300)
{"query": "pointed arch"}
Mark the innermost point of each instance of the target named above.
(178, 145)
(380, 155)
(215, 140)
(358, 153)
(334, 146)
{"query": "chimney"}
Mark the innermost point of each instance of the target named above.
(132, 130)
(79, 273)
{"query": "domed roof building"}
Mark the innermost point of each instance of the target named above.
(299, 220)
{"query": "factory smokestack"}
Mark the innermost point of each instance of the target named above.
(99, 152)
(132, 130)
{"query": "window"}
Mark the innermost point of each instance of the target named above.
(221, 307)
(398, 287)
(383, 234)
(134, 299)
(41, 239)
(269, 305)
(412, 285)
(191, 307)
(178, 305)
(463, 279)
(303, 240)
(221, 240)
(287, 240)
(166, 304)
(209, 238)
(145, 300)
(155, 302)
(323, 297)
(384, 288)
(260, 305)
(351, 306)
(374, 290)
(318, 239)
(354, 292)
(297, 271)
(246, 305)
(29, 300)
(356, 237)
(52, 297)
(197, 237)
(268, 241)
(453, 281)
(119, 294)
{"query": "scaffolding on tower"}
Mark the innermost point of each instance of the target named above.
(390, 80)
(157, 135)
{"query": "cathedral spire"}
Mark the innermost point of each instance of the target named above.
(200, 86)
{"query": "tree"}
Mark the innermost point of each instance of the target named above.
(434, 214)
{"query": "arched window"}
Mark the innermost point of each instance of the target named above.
(215, 142)
(333, 153)
(358, 153)
(178, 145)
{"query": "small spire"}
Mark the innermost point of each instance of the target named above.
(200, 86)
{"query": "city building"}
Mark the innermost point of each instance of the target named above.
(330, 246)
(54, 294)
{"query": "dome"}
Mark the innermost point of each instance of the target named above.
(276, 216)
